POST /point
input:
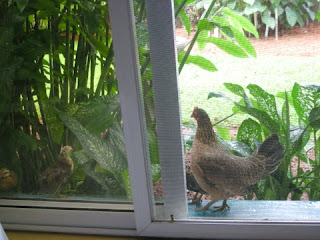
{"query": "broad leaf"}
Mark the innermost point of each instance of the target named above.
(238, 90)
(106, 156)
(305, 98)
(249, 132)
(22, 4)
(256, 7)
(199, 61)
(268, 20)
(245, 23)
(204, 24)
(238, 148)
(202, 39)
(185, 21)
(314, 118)
(228, 47)
(244, 42)
(291, 16)
(265, 100)
(318, 16)
(223, 132)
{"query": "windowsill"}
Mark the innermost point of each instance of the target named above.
(262, 210)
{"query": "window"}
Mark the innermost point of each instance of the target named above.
(169, 217)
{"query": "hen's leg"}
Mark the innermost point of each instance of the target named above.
(206, 207)
(197, 200)
(221, 208)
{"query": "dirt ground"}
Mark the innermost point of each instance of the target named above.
(293, 42)
(296, 42)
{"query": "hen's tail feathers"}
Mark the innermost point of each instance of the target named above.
(273, 152)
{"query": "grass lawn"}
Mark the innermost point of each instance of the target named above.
(274, 74)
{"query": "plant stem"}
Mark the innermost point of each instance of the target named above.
(223, 119)
(195, 38)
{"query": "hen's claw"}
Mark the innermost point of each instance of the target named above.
(222, 208)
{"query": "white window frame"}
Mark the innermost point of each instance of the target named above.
(120, 219)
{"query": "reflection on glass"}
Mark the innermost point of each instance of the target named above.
(147, 88)
(61, 130)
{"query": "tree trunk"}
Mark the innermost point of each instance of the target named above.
(277, 23)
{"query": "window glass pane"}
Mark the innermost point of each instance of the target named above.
(257, 84)
(262, 98)
(61, 134)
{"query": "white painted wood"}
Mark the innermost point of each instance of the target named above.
(67, 218)
(72, 230)
(233, 230)
(161, 29)
(127, 65)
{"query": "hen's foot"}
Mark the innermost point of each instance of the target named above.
(221, 208)
(206, 207)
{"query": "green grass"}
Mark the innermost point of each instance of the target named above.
(273, 74)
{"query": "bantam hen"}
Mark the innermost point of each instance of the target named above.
(8, 180)
(222, 174)
(57, 175)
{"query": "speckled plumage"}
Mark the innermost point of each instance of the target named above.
(56, 176)
(222, 174)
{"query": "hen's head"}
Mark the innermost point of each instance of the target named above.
(200, 115)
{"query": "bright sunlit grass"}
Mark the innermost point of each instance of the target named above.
(273, 74)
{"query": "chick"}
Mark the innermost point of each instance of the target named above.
(222, 174)
(8, 180)
(57, 175)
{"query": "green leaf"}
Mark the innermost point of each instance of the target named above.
(185, 21)
(223, 132)
(101, 48)
(238, 148)
(305, 98)
(156, 172)
(310, 12)
(268, 20)
(291, 16)
(153, 147)
(250, 2)
(245, 23)
(270, 195)
(318, 16)
(256, 7)
(54, 125)
(126, 180)
(95, 147)
(201, 40)
(199, 61)
(249, 131)
(220, 20)
(228, 47)
(22, 4)
(266, 101)
(238, 90)
(204, 24)
(219, 95)
(244, 42)
(314, 118)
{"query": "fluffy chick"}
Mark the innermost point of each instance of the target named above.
(57, 175)
(8, 180)
(222, 174)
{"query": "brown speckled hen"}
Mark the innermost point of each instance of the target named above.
(222, 174)
(8, 180)
(57, 175)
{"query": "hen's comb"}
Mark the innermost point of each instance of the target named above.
(195, 108)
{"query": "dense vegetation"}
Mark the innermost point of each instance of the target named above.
(58, 87)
